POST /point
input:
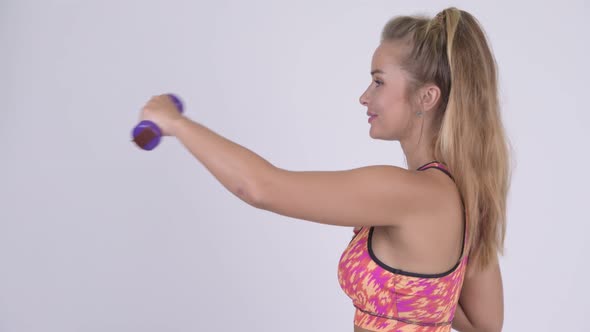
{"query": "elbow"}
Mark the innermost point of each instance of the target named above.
(493, 327)
(257, 192)
(496, 326)
(244, 195)
(255, 201)
(251, 194)
(490, 330)
(251, 189)
(488, 327)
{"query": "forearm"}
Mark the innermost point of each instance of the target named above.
(236, 167)
(460, 322)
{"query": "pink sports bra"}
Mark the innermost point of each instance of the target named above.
(389, 299)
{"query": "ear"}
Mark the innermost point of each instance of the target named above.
(429, 97)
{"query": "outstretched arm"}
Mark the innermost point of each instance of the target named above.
(236, 167)
(371, 195)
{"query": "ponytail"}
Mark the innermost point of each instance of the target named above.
(452, 51)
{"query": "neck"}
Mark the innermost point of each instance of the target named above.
(417, 145)
(417, 155)
(413, 162)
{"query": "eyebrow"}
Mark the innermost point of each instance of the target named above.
(377, 71)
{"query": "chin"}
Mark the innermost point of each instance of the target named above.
(371, 133)
(374, 135)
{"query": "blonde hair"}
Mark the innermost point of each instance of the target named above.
(451, 51)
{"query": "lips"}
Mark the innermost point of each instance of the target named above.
(372, 116)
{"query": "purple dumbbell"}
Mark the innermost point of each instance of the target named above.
(146, 134)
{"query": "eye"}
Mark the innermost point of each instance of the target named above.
(378, 82)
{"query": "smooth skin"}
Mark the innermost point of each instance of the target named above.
(417, 214)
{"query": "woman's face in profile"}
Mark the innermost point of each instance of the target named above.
(386, 95)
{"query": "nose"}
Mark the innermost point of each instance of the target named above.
(363, 99)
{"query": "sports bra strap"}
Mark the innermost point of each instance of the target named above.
(435, 164)
(442, 167)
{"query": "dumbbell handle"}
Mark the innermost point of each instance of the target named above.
(147, 134)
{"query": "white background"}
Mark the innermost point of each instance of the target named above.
(97, 235)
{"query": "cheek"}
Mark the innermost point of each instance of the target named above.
(395, 115)
(393, 105)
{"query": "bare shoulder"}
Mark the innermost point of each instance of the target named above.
(439, 201)
(444, 198)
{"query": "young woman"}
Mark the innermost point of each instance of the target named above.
(424, 255)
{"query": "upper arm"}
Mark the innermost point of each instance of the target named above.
(482, 298)
(366, 196)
